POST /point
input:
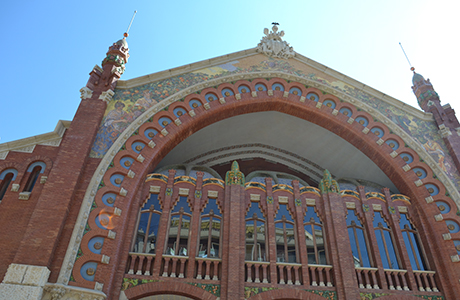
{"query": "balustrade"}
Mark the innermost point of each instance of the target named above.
(208, 268)
(289, 273)
(396, 279)
(320, 275)
(174, 266)
(367, 278)
(257, 271)
(425, 281)
(141, 263)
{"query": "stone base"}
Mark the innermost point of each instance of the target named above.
(24, 282)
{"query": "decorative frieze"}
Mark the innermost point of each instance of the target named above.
(335, 112)
(350, 205)
(444, 131)
(117, 211)
(311, 202)
(455, 258)
(155, 189)
(15, 187)
(254, 94)
(438, 218)
(85, 93)
(131, 174)
(222, 100)
(123, 192)
(365, 130)
(105, 259)
(213, 194)
(446, 236)
(164, 132)
(177, 122)
(380, 142)
(43, 179)
(24, 196)
(152, 144)
(377, 207)
(350, 120)
(406, 167)
(283, 199)
(183, 192)
(394, 154)
(418, 183)
(285, 94)
(302, 99)
(429, 199)
(192, 113)
(106, 96)
(402, 209)
(255, 197)
(270, 92)
(140, 158)
(207, 106)
(319, 104)
(111, 234)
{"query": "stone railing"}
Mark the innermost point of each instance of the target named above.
(289, 273)
(396, 279)
(208, 268)
(141, 263)
(367, 278)
(257, 271)
(320, 275)
(174, 266)
(425, 281)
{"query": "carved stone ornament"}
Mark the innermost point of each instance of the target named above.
(85, 93)
(273, 46)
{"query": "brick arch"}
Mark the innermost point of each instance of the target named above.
(162, 144)
(174, 288)
(286, 294)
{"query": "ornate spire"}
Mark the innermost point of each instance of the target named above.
(273, 46)
(234, 176)
(424, 91)
(327, 184)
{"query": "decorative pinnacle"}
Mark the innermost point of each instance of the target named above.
(125, 35)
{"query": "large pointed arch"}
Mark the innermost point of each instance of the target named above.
(153, 150)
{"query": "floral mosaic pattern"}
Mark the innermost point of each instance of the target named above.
(211, 288)
(370, 296)
(252, 291)
(127, 105)
(130, 282)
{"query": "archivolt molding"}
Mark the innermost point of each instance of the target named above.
(82, 219)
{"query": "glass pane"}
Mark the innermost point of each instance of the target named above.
(357, 240)
(412, 244)
(285, 235)
(315, 242)
(385, 242)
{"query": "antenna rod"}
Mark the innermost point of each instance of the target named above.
(132, 19)
(406, 56)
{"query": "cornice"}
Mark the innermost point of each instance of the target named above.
(28, 144)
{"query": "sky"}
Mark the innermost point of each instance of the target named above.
(49, 47)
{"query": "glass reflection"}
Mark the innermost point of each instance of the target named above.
(209, 238)
(285, 236)
(179, 228)
(255, 234)
(413, 245)
(357, 240)
(314, 236)
(385, 242)
(147, 230)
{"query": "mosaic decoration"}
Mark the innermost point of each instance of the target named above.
(270, 200)
(431, 297)
(298, 202)
(128, 104)
(370, 296)
(130, 282)
(211, 288)
(330, 295)
(328, 185)
(234, 176)
(198, 194)
(252, 291)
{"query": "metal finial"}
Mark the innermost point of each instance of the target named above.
(411, 67)
(275, 23)
(130, 23)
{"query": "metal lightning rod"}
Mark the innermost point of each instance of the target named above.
(411, 68)
(130, 23)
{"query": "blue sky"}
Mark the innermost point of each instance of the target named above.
(50, 47)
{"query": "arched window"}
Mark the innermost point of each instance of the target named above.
(385, 242)
(255, 234)
(413, 245)
(314, 236)
(179, 228)
(34, 169)
(147, 230)
(209, 244)
(6, 177)
(358, 240)
(285, 235)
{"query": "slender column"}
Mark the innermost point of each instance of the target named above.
(195, 225)
(337, 238)
(301, 246)
(270, 225)
(232, 286)
(400, 245)
(163, 227)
